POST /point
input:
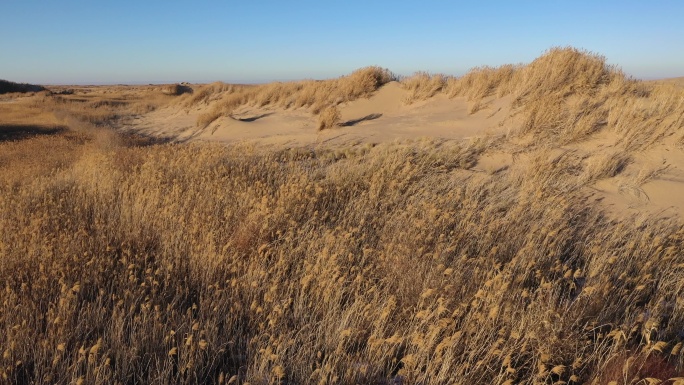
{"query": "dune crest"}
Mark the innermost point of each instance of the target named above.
(566, 101)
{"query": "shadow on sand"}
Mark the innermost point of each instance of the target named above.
(354, 122)
(254, 118)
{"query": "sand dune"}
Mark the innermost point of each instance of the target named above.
(383, 117)
(442, 109)
(651, 183)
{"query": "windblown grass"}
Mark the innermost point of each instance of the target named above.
(198, 263)
(96, 106)
(423, 85)
(566, 95)
(315, 95)
(395, 263)
(330, 117)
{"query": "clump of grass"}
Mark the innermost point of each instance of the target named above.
(476, 85)
(562, 72)
(606, 165)
(423, 85)
(209, 92)
(475, 106)
(482, 82)
(329, 118)
(568, 94)
(175, 89)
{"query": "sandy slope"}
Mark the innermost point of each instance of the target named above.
(168, 122)
(661, 195)
(380, 118)
(651, 184)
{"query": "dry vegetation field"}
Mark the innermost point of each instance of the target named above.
(127, 259)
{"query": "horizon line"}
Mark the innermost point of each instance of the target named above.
(253, 82)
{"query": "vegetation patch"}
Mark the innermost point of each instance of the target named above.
(8, 87)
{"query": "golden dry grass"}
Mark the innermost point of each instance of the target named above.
(329, 117)
(315, 95)
(175, 89)
(566, 95)
(182, 263)
(423, 85)
(396, 263)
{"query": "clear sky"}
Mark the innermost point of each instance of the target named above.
(134, 41)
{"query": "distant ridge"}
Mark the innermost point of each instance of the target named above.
(7, 87)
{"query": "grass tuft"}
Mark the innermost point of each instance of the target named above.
(329, 118)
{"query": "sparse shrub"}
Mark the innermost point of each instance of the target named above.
(175, 89)
(330, 117)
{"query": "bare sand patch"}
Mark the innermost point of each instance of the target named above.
(383, 117)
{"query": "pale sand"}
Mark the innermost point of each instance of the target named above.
(661, 195)
(380, 118)
(385, 117)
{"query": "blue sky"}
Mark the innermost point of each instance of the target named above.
(140, 41)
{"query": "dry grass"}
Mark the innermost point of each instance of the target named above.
(175, 89)
(195, 263)
(607, 165)
(395, 263)
(315, 95)
(91, 106)
(329, 118)
(482, 82)
(423, 85)
(477, 84)
(565, 96)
